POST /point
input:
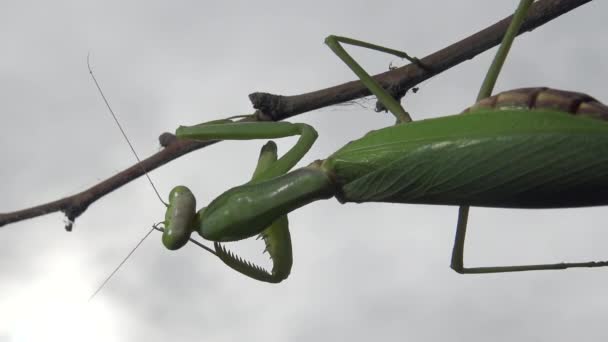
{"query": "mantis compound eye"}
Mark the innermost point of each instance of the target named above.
(179, 217)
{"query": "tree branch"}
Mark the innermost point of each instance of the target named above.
(278, 107)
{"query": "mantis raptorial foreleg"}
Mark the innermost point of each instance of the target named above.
(180, 214)
(275, 232)
(181, 220)
(276, 237)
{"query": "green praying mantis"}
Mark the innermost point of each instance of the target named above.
(526, 148)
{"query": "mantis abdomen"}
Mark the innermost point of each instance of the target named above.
(538, 98)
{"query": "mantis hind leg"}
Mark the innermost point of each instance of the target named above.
(457, 263)
(387, 100)
(485, 91)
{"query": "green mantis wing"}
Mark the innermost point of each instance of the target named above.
(508, 158)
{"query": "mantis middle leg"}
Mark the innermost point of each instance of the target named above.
(383, 96)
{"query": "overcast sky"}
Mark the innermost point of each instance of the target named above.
(361, 272)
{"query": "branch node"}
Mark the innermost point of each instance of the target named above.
(269, 106)
(72, 212)
(166, 139)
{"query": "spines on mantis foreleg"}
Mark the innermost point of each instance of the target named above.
(179, 218)
(276, 237)
(542, 98)
(278, 246)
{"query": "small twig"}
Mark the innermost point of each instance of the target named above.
(277, 107)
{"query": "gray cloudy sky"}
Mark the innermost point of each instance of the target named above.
(361, 272)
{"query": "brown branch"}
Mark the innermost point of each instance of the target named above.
(76, 204)
(278, 107)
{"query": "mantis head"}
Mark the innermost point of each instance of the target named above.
(179, 218)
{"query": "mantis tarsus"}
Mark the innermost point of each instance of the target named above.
(519, 149)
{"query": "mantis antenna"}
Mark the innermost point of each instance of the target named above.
(155, 226)
(120, 127)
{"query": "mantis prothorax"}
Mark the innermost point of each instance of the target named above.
(527, 148)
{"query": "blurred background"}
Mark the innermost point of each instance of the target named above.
(361, 272)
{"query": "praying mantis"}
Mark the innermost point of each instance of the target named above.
(527, 148)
